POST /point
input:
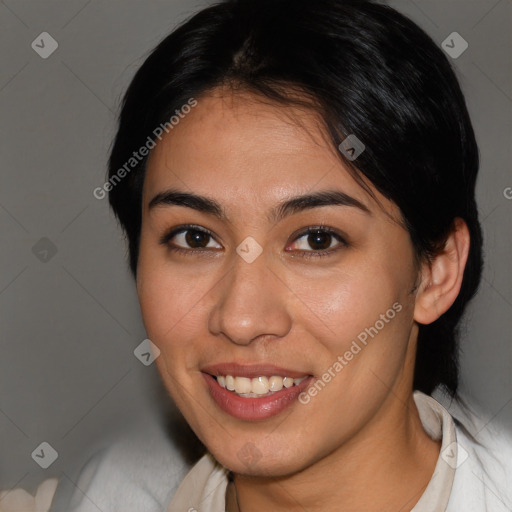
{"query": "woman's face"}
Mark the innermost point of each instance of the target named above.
(247, 292)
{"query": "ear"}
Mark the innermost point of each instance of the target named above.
(441, 279)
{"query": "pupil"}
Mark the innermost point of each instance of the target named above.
(319, 241)
(196, 237)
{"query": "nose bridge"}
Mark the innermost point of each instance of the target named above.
(251, 303)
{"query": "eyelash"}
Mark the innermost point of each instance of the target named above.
(304, 254)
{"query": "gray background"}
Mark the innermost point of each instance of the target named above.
(69, 325)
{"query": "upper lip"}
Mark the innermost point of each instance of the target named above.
(251, 371)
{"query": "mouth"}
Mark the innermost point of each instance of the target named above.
(254, 392)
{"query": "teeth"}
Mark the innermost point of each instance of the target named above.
(242, 385)
(287, 382)
(275, 383)
(257, 387)
(230, 383)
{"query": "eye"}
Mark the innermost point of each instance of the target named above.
(189, 238)
(318, 241)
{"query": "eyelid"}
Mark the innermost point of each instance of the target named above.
(340, 237)
(168, 235)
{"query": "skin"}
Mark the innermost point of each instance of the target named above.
(212, 306)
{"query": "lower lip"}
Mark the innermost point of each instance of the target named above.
(253, 409)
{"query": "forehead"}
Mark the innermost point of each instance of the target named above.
(241, 148)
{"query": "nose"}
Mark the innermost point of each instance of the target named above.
(252, 303)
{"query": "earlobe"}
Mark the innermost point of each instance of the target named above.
(442, 278)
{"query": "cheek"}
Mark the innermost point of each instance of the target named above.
(362, 322)
(171, 318)
(363, 314)
(345, 303)
(168, 307)
(174, 305)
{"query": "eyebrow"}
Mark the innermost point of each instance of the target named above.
(284, 209)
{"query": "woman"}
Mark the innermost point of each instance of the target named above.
(304, 238)
(296, 180)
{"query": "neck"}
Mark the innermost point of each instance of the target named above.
(385, 466)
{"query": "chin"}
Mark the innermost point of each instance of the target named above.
(249, 460)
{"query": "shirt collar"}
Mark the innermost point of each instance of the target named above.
(438, 424)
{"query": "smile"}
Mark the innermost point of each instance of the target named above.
(255, 392)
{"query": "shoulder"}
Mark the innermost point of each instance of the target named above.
(140, 471)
